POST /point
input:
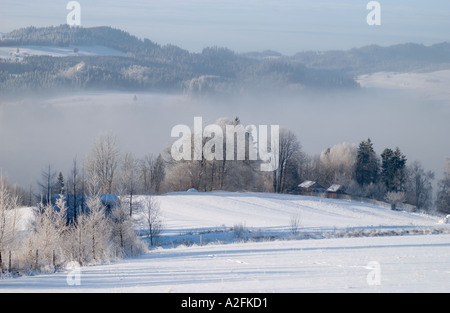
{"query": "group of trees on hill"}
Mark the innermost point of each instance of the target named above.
(358, 168)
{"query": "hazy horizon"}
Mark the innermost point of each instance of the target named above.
(288, 27)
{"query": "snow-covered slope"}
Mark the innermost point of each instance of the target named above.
(272, 213)
(24, 51)
(364, 264)
(433, 85)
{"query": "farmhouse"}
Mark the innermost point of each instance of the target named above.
(334, 190)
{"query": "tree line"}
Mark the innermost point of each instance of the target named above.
(357, 168)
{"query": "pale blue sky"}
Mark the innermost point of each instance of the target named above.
(287, 26)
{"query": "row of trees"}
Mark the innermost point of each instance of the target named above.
(387, 176)
(359, 169)
(115, 173)
(73, 222)
(81, 228)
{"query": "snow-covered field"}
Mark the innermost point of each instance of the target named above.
(432, 85)
(24, 51)
(266, 256)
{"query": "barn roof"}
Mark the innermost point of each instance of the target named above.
(334, 188)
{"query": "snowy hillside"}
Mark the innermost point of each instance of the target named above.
(54, 51)
(430, 85)
(265, 214)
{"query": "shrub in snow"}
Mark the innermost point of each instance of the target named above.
(239, 230)
(295, 223)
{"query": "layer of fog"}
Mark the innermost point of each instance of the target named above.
(36, 132)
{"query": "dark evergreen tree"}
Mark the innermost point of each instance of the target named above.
(60, 186)
(367, 164)
(393, 172)
(158, 174)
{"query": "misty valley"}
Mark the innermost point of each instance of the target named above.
(96, 117)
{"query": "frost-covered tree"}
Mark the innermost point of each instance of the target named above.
(103, 161)
(9, 219)
(150, 218)
(98, 231)
(338, 164)
(395, 198)
(49, 232)
(124, 237)
(419, 186)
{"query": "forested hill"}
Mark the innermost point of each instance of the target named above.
(409, 57)
(147, 66)
(65, 35)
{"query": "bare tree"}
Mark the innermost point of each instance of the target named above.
(47, 185)
(290, 149)
(150, 218)
(129, 178)
(103, 161)
(419, 186)
(145, 166)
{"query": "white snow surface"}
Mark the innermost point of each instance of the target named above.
(285, 263)
(272, 213)
(55, 51)
(431, 85)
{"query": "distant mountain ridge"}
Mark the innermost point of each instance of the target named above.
(148, 66)
(371, 59)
